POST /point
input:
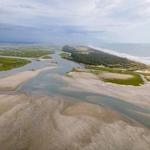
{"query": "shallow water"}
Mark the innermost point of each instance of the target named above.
(49, 83)
(33, 65)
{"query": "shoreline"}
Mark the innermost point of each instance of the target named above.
(90, 82)
(145, 60)
(12, 82)
(43, 122)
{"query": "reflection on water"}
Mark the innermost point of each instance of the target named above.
(48, 82)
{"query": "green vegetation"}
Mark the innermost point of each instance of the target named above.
(99, 69)
(68, 49)
(11, 63)
(94, 57)
(46, 57)
(66, 55)
(98, 62)
(30, 51)
(24, 53)
(136, 80)
(147, 78)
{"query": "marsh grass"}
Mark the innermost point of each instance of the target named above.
(11, 63)
(135, 80)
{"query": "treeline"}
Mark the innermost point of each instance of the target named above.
(68, 49)
(95, 57)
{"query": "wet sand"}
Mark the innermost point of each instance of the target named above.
(60, 123)
(12, 82)
(139, 95)
(56, 123)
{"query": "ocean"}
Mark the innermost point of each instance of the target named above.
(137, 52)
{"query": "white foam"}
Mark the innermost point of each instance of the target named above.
(145, 60)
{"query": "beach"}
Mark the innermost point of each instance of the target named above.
(12, 82)
(58, 123)
(42, 122)
(87, 81)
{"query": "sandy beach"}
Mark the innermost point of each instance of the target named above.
(108, 75)
(54, 123)
(62, 123)
(12, 82)
(139, 95)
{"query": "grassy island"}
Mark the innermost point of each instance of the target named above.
(11, 63)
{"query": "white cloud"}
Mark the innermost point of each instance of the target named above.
(92, 15)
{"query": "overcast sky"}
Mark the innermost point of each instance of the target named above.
(75, 21)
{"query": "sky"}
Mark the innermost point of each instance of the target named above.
(75, 21)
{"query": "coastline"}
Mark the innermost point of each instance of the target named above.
(60, 123)
(145, 60)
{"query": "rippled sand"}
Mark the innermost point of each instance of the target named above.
(54, 123)
(139, 95)
(13, 81)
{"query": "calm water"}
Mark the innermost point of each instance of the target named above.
(34, 65)
(50, 83)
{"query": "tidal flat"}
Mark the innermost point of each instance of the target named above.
(43, 109)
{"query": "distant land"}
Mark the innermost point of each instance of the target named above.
(92, 56)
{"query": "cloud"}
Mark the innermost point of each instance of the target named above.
(90, 17)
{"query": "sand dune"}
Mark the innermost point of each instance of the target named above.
(53, 123)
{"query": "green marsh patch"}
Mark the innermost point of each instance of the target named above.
(136, 80)
(11, 63)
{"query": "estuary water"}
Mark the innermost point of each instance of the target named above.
(49, 83)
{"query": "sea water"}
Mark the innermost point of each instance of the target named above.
(137, 52)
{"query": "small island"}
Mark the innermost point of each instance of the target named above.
(7, 63)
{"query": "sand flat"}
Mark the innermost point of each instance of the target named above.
(53, 123)
(108, 75)
(13, 81)
(139, 95)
